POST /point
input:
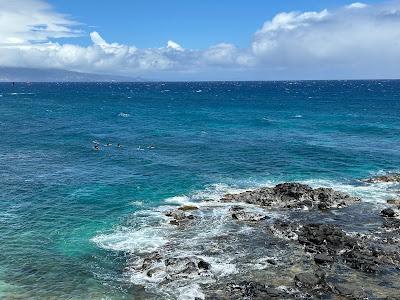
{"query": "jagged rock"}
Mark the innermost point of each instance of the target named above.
(391, 223)
(255, 290)
(285, 229)
(388, 213)
(395, 202)
(307, 280)
(188, 207)
(348, 291)
(155, 265)
(238, 213)
(322, 258)
(294, 195)
(185, 266)
(390, 177)
(362, 259)
(324, 238)
(179, 217)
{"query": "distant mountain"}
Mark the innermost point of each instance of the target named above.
(9, 74)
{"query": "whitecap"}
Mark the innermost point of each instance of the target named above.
(190, 292)
(124, 115)
(372, 193)
(179, 200)
(143, 240)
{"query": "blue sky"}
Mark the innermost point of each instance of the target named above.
(193, 24)
(205, 40)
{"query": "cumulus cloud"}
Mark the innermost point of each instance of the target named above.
(356, 5)
(356, 40)
(32, 21)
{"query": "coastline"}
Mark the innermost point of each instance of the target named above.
(290, 247)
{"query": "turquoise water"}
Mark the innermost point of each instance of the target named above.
(58, 195)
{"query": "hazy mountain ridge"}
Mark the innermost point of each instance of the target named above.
(11, 74)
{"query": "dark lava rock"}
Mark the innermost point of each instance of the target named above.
(284, 229)
(390, 177)
(322, 258)
(174, 267)
(329, 240)
(179, 217)
(254, 290)
(388, 212)
(391, 223)
(188, 207)
(185, 266)
(242, 215)
(393, 202)
(307, 280)
(348, 291)
(363, 259)
(294, 195)
(324, 238)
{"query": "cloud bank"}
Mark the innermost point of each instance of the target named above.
(354, 41)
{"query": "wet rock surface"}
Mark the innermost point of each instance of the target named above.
(294, 195)
(155, 265)
(387, 178)
(267, 246)
(240, 214)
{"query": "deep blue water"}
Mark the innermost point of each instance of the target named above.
(57, 193)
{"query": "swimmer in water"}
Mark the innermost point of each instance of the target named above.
(108, 145)
(96, 147)
(119, 145)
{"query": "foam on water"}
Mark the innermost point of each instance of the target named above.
(142, 240)
(154, 232)
(373, 193)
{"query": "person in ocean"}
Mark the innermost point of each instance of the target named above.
(96, 147)
(119, 145)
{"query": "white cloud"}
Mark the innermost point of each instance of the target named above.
(357, 5)
(352, 41)
(174, 46)
(32, 21)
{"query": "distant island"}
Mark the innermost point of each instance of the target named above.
(12, 74)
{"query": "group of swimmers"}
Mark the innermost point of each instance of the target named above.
(97, 145)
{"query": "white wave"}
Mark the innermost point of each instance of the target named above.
(190, 292)
(143, 240)
(124, 115)
(137, 203)
(373, 193)
(149, 231)
(179, 200)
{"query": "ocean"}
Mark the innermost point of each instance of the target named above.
(72, 217)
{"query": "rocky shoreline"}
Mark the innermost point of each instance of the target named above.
(287, 242)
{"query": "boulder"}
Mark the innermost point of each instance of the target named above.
(388, 213)
(389, 178)
(238, 213)
(188, 208)
(255, 290)
(293, 195)
(322, 258)
(307, 280)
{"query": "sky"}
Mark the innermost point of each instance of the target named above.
(205, 40)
